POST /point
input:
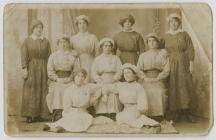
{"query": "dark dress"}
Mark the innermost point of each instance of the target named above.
(130, 45)
(34, 57)
(181, 52)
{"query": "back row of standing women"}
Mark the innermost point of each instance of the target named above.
(175, 61)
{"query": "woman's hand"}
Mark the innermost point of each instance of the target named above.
(104, 98)
(151, 79)
(191, 67)
(25, 73)
(67, 80)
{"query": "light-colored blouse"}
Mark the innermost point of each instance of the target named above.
(131, 93)
(80, 97)
(157, 59)
(62, 61)
(85, 43)
(106, 68)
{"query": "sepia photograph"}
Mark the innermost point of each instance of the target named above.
(108, 69)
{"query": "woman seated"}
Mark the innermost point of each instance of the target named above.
(61, 66)
(77, 98)
(105, 71)
(154, 64)
(133, 96)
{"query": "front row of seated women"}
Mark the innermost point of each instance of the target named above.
(140, 93)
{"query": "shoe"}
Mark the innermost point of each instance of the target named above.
(29, 119)
(46, 128)
(59, 130)
(190, 119)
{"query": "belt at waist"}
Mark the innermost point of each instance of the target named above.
(63, 74)
(152, 70)
(129, 104)
(129, 51)
(153, 73)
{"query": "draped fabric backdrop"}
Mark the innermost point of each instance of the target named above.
(104, 23)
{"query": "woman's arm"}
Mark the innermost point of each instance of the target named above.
(140, 65)
(118, 73)
(141, 44)
(142, 99)
(190, 51)
(51, 69)
(94, 72)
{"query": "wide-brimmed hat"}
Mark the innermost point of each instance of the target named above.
(125, 17)
(82, 17)
(173, 15)
(106, 39)
(34, 23)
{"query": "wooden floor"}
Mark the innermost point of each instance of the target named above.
(18, 126)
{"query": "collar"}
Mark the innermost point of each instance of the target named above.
(174, 32)
(133, 81)
(83, 33)
(34, 37)
(127, 31)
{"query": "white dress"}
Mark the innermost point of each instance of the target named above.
(86, 44)
(105, 70)
(155, 64)
(76, 101)
(61, 65)
(133, 96)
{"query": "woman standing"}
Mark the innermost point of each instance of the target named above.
(85, 44)
(154, 64)
(61, 67)
(106, 70)
(133, 97)
(34, 55)
(129, 43)
(181, 51)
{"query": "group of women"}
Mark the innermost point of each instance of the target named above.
(117, 78)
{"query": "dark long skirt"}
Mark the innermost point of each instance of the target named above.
(35, 90)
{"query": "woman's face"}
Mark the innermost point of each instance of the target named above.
(129, 75)
(127, 25)
(63, 44)
(82, 25)
(107, 47)
(174, 24)
(79, 79)
(152, 43)
(38, 30)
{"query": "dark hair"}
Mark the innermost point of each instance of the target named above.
(127, 17)
(83, 20)
(179, 21)
(83, 71)
(158, 41)
(35, 23)
(102, 44)
(64, 38)
(132, 72)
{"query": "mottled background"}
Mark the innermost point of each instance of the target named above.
(57, 19)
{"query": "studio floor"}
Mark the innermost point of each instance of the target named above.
(17, 126)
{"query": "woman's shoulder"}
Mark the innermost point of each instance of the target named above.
(144, 54)
(163, 52)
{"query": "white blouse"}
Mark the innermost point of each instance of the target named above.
(155, 60)
(106, 64)
(85, 43)
(62, 61)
